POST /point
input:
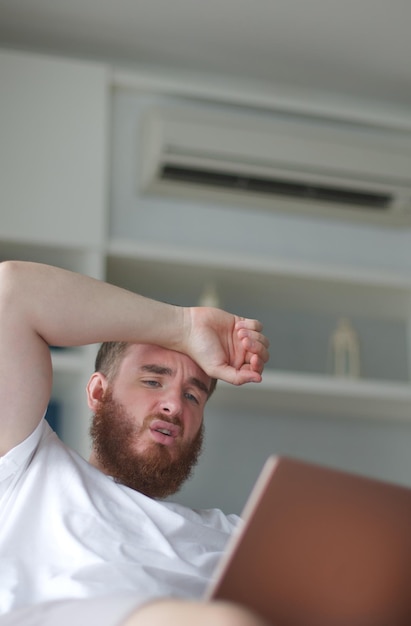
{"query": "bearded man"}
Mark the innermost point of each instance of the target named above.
(93, 542)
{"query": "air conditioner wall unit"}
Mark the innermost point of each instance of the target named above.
(289, 165)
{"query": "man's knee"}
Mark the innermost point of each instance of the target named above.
(227, 614)
(187, 613)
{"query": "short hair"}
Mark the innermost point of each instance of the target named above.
(110, 355)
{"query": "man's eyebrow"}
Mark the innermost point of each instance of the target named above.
(200, 385)
(157, 369)
(162, 370)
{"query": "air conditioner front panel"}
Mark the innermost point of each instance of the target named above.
(351, 152)
(272, 164)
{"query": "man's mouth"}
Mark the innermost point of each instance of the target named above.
(163, 432)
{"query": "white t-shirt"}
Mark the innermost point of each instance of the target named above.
(69, 531)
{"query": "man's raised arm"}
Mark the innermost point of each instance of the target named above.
(42, 305)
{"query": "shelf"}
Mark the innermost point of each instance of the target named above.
(155, 269)
(318, 395)
(128, 249)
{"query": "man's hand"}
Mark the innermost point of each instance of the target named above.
(226, 346)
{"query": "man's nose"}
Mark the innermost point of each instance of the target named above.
(171, 404)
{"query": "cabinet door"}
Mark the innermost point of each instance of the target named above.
(53, 128)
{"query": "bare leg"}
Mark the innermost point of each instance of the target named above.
(183, 613)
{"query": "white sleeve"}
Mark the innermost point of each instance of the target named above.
(17, 459)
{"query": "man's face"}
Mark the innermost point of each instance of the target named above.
(148, 427)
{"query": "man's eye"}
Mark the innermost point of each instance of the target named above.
(192, 398)
(151, 383)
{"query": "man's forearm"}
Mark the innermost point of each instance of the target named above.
(69, 309)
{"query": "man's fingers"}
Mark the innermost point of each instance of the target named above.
(239, 376)
(249, 324)
(254, 344)
(256, 363)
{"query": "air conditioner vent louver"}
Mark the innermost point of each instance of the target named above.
(289, 164)
(277, 187)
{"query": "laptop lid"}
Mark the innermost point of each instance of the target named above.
(320, 547)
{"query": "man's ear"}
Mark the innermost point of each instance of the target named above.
(96, 388)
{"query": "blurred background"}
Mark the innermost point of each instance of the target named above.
(254, 156)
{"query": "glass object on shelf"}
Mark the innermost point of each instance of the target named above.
(344, 351)
(209, 296)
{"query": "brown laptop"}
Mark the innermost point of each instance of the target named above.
(321, 547)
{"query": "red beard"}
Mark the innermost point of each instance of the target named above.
(152, 472)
